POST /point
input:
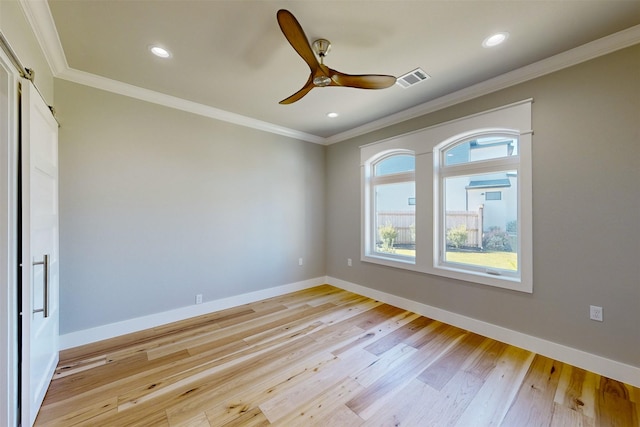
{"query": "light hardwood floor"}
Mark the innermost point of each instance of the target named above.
(324, 357)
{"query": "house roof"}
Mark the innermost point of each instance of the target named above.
(489, 183)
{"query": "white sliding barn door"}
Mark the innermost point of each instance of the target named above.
(39, 191)
(8, 237)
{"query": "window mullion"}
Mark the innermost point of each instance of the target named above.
(473, 169)
(395, 178)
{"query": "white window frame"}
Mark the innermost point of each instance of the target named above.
(441, 172)
(370, 181)
(514, 119)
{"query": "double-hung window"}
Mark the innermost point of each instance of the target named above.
(454, 200)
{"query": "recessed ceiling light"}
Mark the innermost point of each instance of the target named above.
(332, 115)
(159, 51)
(495, 39)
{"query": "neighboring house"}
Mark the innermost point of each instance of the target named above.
(489, 201)
(497, 199)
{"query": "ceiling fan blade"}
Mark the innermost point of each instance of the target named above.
(299, 94)
(295, 35)
(321, 75)
(362, 81)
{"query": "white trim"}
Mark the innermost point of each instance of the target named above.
(578, 55)
(8, 250)
(370, 181)
(39, 16)
(99, 333)
(594, 363)
(591, 362)
(41, 21)
(513, 119)
(136, 92)
(443, 124)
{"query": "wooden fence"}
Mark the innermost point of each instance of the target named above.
(404, 223)
(471, 220)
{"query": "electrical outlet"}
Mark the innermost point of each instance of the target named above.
(349, 263)
(595, 313)
(199, 299)
(300, 261)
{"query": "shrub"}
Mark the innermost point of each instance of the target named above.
(457, 236)
(512, 227)
(388, 235)
(496, 240)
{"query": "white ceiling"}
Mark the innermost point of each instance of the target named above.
(230, 59)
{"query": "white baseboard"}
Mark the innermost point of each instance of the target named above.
(112, 330)
(591, 362)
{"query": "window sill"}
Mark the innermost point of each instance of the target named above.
(505, 282)
(391, 261)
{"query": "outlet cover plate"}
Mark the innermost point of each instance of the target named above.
(595, 313)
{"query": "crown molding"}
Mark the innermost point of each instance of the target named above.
(586, 52)
(39, 17)
(147, 95)
(41, 21)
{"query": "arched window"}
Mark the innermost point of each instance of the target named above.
(454, 200)
(391, 199)
(477, 203)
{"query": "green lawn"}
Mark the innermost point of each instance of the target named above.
(501, 260)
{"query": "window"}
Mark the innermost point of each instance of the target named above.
(473, 235)
(391, 195)
(493, 195)
(454, 199)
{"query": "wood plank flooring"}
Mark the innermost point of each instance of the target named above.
(324, 357)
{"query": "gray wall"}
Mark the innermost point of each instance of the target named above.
(586, 213)
(158, 205)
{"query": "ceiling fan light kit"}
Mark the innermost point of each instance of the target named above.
(321, 75)
(321, 47)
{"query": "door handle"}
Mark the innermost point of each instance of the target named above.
(45, 282)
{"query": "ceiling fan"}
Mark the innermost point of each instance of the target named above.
(321, 75)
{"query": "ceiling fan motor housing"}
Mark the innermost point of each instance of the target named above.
(322, 81)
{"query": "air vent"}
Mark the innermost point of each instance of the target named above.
(412, 78)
